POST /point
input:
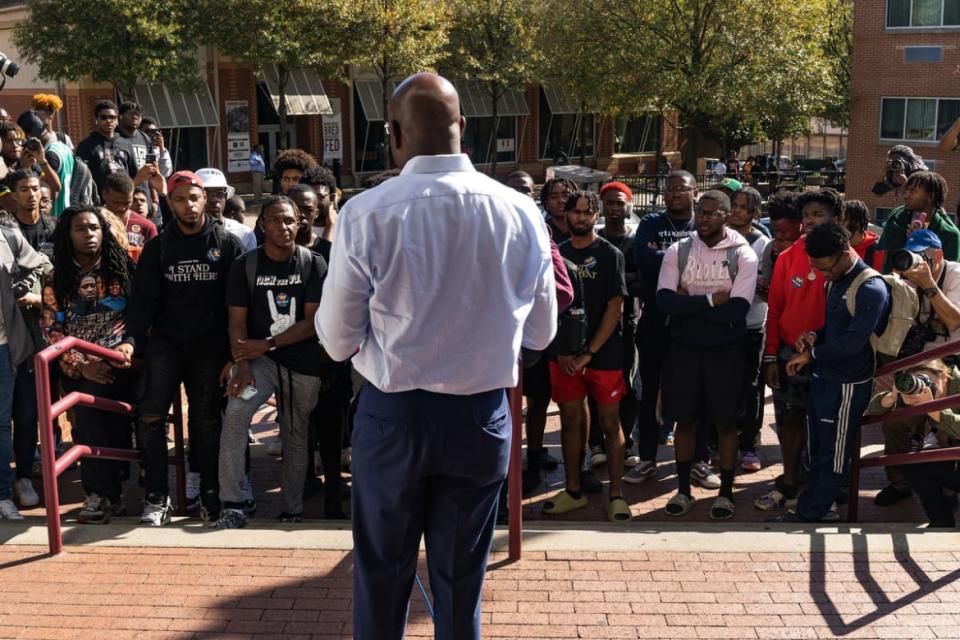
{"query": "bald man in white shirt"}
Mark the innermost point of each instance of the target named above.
(438, 276)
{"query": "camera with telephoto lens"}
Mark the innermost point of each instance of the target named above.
(904, 260)
(8, 67)
(911, 384)
(33, 145)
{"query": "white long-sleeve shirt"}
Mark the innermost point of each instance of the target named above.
(438, 276)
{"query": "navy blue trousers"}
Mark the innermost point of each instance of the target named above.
(431, 465)
(834, 412)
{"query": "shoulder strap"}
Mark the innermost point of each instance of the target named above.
(250, 266)
(683, 254)
(733, 262)
(861, 277)
(305, 258)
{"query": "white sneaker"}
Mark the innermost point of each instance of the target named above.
(193, 490)
(156, 514)
(8, 510)
(275, 448)
(703, 475)
(25, 493)
(630, 459)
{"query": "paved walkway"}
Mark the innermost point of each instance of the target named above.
(876, 582)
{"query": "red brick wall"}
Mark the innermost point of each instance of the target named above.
(237, 82)
(879, 70)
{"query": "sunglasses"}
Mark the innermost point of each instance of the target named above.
(107, 116)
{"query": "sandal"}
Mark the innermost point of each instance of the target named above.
(563, 502)
(722, 508)
(679, 505)
(618, 511)
(771, 501)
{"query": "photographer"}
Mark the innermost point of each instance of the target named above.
(930, 380)
(901, 163)
(937, 281)
(925, 193)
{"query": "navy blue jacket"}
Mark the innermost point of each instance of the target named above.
(661, 231)
(843, 352)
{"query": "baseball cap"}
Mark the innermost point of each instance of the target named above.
(214, 179)
(31, 124)
(923, 239)
(183, 178)
(730, 183)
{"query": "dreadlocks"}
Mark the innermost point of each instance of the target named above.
(932, 183)
(66, 274)
(548, 187)
(856, 216)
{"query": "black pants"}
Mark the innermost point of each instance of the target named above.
(197, 367)
(929, 480)
(751, 408)
(653, 340)
(327, 423)
(103, 429)
(629, 404)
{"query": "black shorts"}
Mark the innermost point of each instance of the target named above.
(702, 383)
(791, 397)
(536, 379)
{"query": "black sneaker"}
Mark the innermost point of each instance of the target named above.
(230, 519)
(210, 507)
(547, 461)
(156, 511)
(290, 517)
(891, 495)
(531, 480)
(589, 483)
(95, 510)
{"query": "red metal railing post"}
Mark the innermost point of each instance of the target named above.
(179, 460)
(51, 493)
(515, 478)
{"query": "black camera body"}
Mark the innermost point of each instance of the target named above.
(33, 145)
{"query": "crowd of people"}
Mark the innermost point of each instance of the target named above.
(669, 331)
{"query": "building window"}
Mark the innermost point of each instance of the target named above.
(560, 122)
(637, 134)
(923, 13)
(370, 139)
(479, 144)
(923, 119)
(922, 54)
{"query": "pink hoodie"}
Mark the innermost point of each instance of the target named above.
(706, 270)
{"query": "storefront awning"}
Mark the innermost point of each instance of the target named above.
(475, 101)
(561, 102)
(174, 109)
(303, 92)
(371, 97)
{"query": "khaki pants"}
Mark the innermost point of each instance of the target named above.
(896, 439)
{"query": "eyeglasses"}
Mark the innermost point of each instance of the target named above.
(828, 269)
(107, 116)
(700, 213)
(684, 188)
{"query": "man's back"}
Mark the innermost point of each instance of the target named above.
(452, 261)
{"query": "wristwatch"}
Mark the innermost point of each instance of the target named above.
(272, 343)
(588, 352)
(932, 291)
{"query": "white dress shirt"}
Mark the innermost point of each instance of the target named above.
(438, 276)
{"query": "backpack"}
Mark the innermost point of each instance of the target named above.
(683, 254)
(303, 255)
(83, 190)
(904, 306)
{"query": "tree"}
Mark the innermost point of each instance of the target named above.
(113, 41)
(322, 35)
(492, 41)
(402, 37)
(759, 63)
(838, 48)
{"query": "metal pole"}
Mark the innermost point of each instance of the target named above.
(51, 497)
(515, 479)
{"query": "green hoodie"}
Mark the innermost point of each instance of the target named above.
(894, 235)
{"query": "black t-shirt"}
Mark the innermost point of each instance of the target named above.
(631, 305)
(601, 267)
(322, 247)
(40, 234)
(279, 296)
(104, 157)
(555, 232)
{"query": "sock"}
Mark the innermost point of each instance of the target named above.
(726, 482)
(574, 494)
(683, 476)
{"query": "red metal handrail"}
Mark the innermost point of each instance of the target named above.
(515, 478)
(52, 467)
(935, 455)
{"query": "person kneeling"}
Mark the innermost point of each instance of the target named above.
(272, 295)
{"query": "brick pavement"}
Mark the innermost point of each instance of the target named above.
(144, 593)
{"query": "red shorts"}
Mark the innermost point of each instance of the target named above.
(605, 387)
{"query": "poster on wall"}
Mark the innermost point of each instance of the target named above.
(238, 135)
(332, 133)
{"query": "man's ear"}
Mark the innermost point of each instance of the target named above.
(463, 125)
(396, 134)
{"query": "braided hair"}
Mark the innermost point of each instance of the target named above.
(66, 273)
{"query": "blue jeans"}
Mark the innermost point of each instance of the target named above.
(8, 375)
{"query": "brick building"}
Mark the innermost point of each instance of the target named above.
(217, 124)
(905, 90)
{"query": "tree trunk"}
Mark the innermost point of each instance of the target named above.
(495, 95)
(282, 75)
(656, 161)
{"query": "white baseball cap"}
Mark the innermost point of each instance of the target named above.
(214, 179)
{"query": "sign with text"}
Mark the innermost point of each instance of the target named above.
(333, 133)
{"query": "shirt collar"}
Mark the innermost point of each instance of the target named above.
(438, 164)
